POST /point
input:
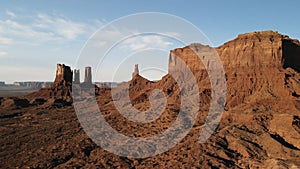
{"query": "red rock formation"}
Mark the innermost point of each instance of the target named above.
(254, 64)
(88, 75)
(260, 129)
(62, 83)
(136, 70)
(64, 74)
(62, 86)
(76, 76)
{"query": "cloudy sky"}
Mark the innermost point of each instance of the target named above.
(36, 35)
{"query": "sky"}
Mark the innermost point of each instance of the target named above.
(36, 35)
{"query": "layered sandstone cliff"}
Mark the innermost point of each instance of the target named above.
(254, 64)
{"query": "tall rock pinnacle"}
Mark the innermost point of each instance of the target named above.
(76, 76)
(88, 75)
(136, 70)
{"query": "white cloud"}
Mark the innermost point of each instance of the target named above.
(2, 53)
(112, 35)
(147, 41)
(23, 33)
(98, 44)
(12, 24)
(132, 40)
(42, 28)
(11, 14)
(105, 37)
(61, 26)
(5, 41)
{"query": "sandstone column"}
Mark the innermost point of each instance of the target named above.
(76, 76)
(88, 75)
(136, 70)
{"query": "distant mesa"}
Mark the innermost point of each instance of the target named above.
(32, 84)
(27, 85)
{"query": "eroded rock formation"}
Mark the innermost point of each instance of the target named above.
(254, 65)
(136, 70)
(64, 75)
(76, 76)
(88, 75)
(62, 86)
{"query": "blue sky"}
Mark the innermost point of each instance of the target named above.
(36, 35)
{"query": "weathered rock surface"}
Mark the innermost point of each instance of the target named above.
(136, 70)
(64, 74)
(254, 65)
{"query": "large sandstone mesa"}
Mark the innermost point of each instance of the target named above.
(254, 63)
(261, 49)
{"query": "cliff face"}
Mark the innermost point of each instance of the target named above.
(251, 50)
(254, 65)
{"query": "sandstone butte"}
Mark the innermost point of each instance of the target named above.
(260, 126)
